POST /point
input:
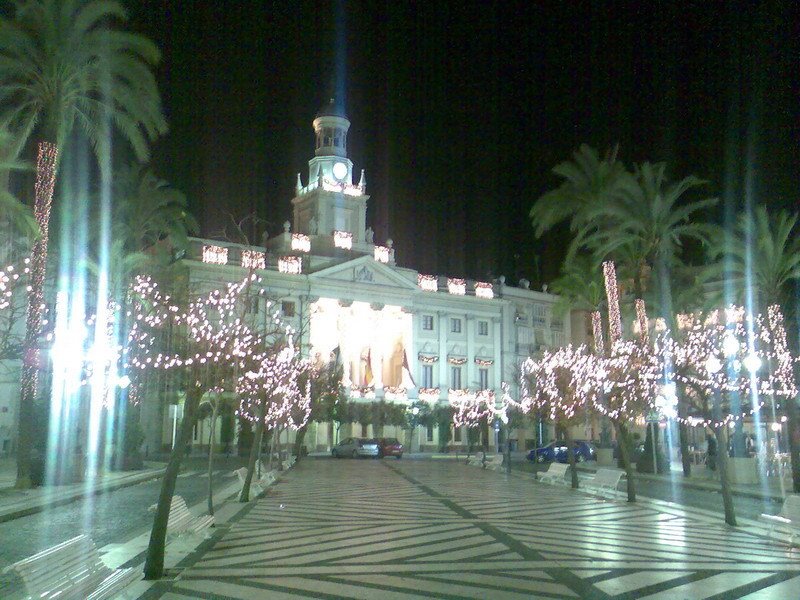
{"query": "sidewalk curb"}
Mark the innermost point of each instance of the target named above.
(41, 506)
(711, 486)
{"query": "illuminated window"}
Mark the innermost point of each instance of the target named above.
(455, 325)
(455, 378)
(287, 308)
(427, 322)
(483, 327)
(427, 376)
(483, 379)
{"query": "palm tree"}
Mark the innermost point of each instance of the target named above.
(148, 213)
(645, 227)
(647, 224)
(64, 68)
(16, 215)
(588, 181)
(763, 252)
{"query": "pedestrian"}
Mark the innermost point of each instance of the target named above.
(711, 453)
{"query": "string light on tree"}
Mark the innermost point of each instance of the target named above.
(612, 294)
(597, 331)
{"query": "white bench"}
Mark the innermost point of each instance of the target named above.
(494, 462)
(182, 521)
(256, 485)
(476, 460)
(555, 474)
(72, 569)
(267, 476)
(788, 519)
(604, 480)
(289, 462)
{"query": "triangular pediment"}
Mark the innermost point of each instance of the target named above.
(364, 270)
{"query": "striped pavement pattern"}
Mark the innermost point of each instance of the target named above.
(424, 529)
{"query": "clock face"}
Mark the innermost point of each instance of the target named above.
(339, 170)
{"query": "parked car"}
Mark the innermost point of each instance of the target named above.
(390, 447)
(355, 447)
(557, 451)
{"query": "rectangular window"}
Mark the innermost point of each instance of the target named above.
(455, 325)
(427, 322)
(364, 430)
(287, 308)
(483, 379)
(455, 378)
(539, 315)
(483, 327)
(427, 376)
(430, 433)
(456, 434)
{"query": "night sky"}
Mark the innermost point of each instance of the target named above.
(460, 110)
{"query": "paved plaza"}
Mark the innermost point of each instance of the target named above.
(439, 529)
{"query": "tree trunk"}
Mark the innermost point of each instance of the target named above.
(244, 495)
(686, 459)
(214, 413)
(46, 165)
(299, 439)
(154, 563)
(571, 456)
(793, 426)
(623, 443)
(721, 433)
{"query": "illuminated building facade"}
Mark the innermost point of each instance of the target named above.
(400, 335)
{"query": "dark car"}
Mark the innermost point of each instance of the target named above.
(389, 447)
(557, 451)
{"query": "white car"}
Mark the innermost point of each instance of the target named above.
(355, 447)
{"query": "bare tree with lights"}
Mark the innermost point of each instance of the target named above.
(717, 362)
(628, 379)
(562, 385)
(271, 394)
(209, 334)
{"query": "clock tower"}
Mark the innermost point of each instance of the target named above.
(330, 201)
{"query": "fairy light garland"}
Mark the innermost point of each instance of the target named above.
(427, 359)
(428, 283)
(395, 393)
(301, 242)
(343, 239)
(429, 394)
(484, 290)
(46, 163)
(612, 295)
(455, 286)
(215, 255)
(292, 265)
(253, 259)
(381, 254)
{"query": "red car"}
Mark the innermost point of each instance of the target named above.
(389, 447)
